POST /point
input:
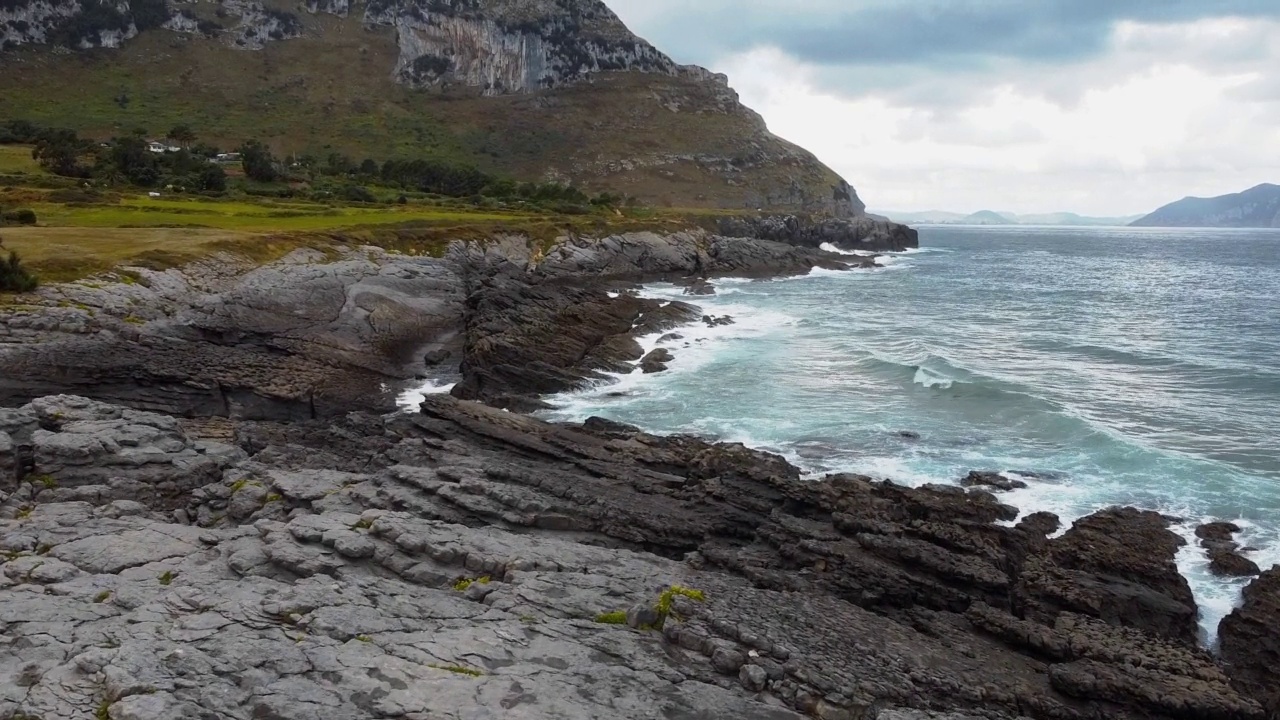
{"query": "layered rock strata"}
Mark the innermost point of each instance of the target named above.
(313, 336)
(468, 562)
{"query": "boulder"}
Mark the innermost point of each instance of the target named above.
(656, 361)
(995, 480)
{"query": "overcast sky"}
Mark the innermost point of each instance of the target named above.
(1102, 107)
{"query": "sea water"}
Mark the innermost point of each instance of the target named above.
(1112, 366)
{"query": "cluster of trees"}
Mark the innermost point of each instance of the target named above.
(128, 159)
(125, 159)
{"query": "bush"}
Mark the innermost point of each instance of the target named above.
(22, 216)
(357, 193)
(258, 162)
(14, 277)
(212, 179)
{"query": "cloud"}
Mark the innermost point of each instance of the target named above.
(1139, 130)
(881, 33)
(1097, 107)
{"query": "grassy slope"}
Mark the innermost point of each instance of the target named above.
(17, 159)
(332, 91)
(74, 240)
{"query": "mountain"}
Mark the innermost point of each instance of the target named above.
(534, 89)
(1070, 218)
(1257, 207)
(988, 217)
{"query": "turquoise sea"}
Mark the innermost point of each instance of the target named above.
(1108, 366)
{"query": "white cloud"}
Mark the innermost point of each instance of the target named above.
(1162, 111)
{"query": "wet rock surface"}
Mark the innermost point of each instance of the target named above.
(1117, 565)
(465, 562)
(1225, 556)
(990, 479)
(1249, 641)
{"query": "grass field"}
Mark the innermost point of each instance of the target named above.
(76, 239)
(249, 216)
(17, 159)
(61, 254)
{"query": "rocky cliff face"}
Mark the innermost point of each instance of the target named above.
(537, 89)
(497, 46)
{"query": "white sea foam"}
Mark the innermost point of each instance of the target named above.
(929, 379)
(828, 247)
(1218, 596)
(410, 399)
(693, 346)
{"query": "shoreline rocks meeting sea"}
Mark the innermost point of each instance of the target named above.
(210, 510)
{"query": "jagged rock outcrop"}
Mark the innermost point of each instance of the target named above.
(1225, 558)
(557, 327)
(858, 233)
(1249, 640)
(1119, 566)
(298, 338)
(464, 559)
(313, 335)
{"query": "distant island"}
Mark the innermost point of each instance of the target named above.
(1257, 207)
(991, 217)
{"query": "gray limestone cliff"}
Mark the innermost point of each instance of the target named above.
(498, 46)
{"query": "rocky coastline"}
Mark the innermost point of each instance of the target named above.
(208, 511)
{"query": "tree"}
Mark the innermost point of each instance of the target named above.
(14, 277)
(258, 162)
(131, 158)
(213, 178)
(204, 150)
(182, 135)
(58, 151)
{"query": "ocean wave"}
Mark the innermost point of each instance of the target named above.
(828, 247)
(410, 399)
(928, 378)
(693, 345)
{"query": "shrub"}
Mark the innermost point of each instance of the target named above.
(212, 179)
(357, 193)
(22, 216)
(258, 162)
(14, 277)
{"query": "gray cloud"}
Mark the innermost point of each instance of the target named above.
(931, 33)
